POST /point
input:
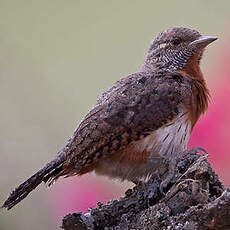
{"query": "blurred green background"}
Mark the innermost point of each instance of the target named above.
(56, 57)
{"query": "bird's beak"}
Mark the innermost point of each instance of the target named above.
(202, 42)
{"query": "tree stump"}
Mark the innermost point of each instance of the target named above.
(195, 200)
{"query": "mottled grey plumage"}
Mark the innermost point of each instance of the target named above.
(143, 117)
(134, 106)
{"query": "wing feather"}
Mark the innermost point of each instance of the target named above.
(127, 112)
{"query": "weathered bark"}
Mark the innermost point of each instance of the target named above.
(195, 199)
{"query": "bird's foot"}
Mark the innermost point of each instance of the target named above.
(197, 150)
(171, 172)
(192, 186)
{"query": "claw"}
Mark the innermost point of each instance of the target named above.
(199, 149)
(162, 186)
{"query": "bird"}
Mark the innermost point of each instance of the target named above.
(141, 124)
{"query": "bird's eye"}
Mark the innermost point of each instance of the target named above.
(175, 42)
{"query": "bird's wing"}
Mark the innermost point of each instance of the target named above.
(129, 111)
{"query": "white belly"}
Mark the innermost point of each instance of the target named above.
(165, 143)
(168, 140)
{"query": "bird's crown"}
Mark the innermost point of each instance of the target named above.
(172, 48)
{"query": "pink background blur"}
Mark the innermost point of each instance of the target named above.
(56, 57)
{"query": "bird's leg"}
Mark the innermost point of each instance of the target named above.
(171, 171)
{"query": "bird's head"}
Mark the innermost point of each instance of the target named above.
(173, 48)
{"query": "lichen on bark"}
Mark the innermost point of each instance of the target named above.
(195, 200)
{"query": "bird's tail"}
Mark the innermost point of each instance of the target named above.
(49, 173)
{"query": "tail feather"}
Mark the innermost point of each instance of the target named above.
(51, 170)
